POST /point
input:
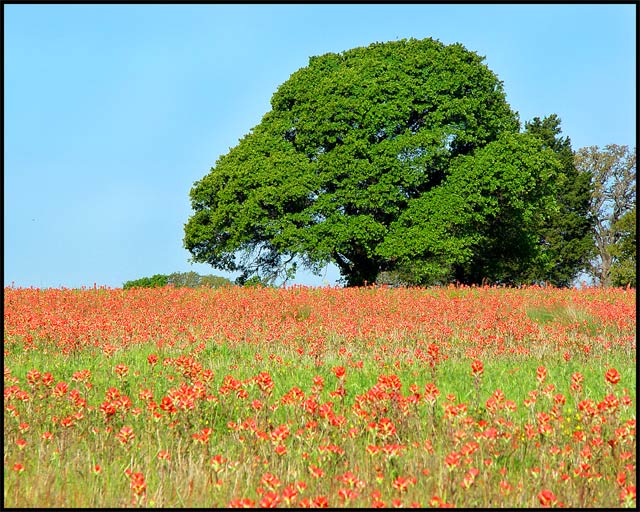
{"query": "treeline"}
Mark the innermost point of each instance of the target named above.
(178, 280)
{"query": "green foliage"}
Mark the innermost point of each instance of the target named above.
(255, 281)
(147, 282)
(565, 233)
(363, 161)
(179, 280)
(623, 268)
(612, 171)
(211, 281)
(480, 223)
(184, 279)
(194, 280)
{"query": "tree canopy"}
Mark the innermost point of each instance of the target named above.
(612, 171)
(566, 233)
(624, 252)
(397, 156)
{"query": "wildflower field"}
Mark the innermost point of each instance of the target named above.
(320, 397)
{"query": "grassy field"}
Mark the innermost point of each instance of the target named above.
(315, 397)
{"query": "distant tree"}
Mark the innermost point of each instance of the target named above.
(254, 281)
(566, 233)
(179, 280)
(362, 161)
(211, 281)
(154, 281)
(184, 279)
(623, 267)
(613, 175)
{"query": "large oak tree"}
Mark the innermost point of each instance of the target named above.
(400, 155)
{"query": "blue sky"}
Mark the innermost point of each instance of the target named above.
(112, 112)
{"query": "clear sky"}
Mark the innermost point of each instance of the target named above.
(112, 112)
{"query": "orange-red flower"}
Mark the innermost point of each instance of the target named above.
(125, 435)
(628, 495)
(316, 472)
(477, 368)
(612, 376)
(385, 428)
(33, 376)
(270, 500)
(402, 483)
(320, 502)
(121, 370)
(547, 498)
(242, 503)
(290, 494)
(339, 371)
(137, 483)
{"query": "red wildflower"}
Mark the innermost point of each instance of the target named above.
(339, 371)
(393, 450)
(33, 376)
(290, 494)
(137, 484)
(265, 383)
(66, 422)
(125, 435)
(386, 428)
(47, 379)
(270, 500)
(402, 484)
(320, 502)
(452, 459)
(167, 405)
(280, 433)
(547, 498)
(576, 381)
(242, 503)
(477, 368)
(612, 376)
(628, 495)
(315, 471)
(112, 394)
(347, 495)
(203, 435)
(270, 481)
(61, 389)
(431, 392)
